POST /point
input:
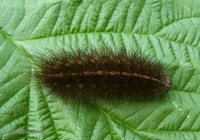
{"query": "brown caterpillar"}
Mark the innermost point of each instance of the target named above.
(102, 74)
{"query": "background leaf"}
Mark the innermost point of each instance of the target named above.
(168, 31)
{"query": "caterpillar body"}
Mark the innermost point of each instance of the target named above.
(103, 74)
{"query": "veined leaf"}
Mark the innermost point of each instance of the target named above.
(165, 30)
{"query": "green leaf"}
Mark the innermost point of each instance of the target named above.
(165, 30)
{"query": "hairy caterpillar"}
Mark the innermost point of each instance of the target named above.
(102, 74)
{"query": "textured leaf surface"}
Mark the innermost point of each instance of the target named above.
(165, 30)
